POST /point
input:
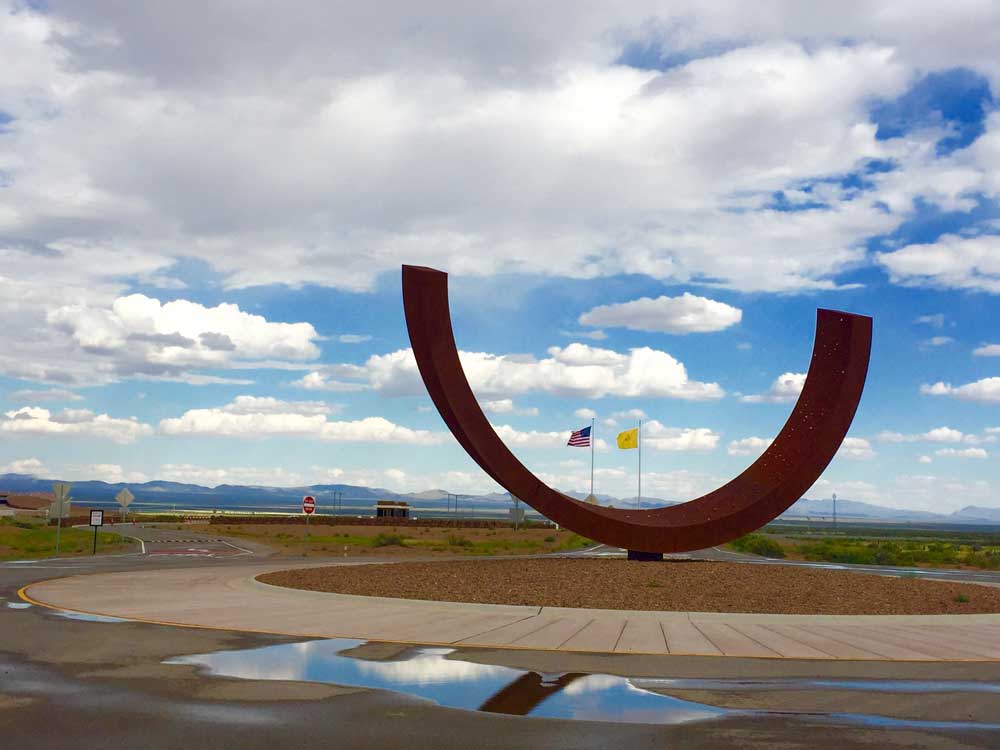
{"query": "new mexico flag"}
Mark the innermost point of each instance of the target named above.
(629, 438)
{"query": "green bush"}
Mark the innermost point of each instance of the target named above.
(388, 540)
(550, 539)
(455, 540)
(756, 544)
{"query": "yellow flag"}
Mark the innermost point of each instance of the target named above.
(629, 438)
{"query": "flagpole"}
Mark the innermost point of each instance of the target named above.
(592, 440)
(638, 498)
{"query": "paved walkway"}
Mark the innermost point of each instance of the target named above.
(228, 597)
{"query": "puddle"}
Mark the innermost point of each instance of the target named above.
(880, 686)
(429, 674)
(85, 617)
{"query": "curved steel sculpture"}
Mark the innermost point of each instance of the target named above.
(794, 461)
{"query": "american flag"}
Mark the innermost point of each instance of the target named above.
(580, 438)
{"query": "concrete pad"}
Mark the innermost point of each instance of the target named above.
(684, 638)
(643, 636)
(731, 642)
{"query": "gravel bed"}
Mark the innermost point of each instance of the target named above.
(688, 586)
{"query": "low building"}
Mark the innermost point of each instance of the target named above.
(14, 503)
(392, 509)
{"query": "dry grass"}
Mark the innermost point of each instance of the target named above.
(399, 541)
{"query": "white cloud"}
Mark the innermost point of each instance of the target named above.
(577, 370)
(318, 381)
(515, 438)
(662, 438)
(506, 406)
(245, 475)
(250, 418)
(986, 390)
(749, 446)
(353, 338)
(963, 452)
(32, 466)
(585, 413)
(52, 394)
(987, 350)
(685, 314)
(858, 448)
(925, 459)
(33, 420)
(632, 414)
(140, 337)
(111, 473)
(937, 341)
(951, 262)
(937, 494)
(935, 321)
(786, 387)
(936, 435)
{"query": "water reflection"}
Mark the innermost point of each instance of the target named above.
(435, 674)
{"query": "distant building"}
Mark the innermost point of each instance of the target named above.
(392, 509)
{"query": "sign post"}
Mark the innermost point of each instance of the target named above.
(308, 506)
(96, 520)
(60, 491)
(124, 499)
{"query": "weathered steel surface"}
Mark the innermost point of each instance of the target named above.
(794, 461)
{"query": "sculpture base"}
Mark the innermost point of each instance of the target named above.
(644, 556)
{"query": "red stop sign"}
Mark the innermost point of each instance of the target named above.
(308, 504)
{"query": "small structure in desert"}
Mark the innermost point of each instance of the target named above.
(392, 509)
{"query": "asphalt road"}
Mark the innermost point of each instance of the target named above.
(70, 683)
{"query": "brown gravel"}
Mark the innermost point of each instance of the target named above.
(667, 586)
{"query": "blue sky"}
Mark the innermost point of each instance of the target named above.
(640, 209)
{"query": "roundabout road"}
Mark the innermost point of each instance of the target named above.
(227, 597)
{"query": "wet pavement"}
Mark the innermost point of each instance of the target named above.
(72, 681)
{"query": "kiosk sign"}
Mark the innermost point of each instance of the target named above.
(96, 520)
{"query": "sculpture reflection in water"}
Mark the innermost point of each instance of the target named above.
(790, 466)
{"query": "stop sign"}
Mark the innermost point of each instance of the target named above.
(308, 504)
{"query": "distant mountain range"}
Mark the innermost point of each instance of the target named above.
(231, 496)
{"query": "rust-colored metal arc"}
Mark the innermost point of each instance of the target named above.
(794, 461)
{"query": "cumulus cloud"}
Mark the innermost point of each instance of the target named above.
(249, 418)
(685, 314)
(33, 420)
(951, 262)
(111, 473)
(660, 437)
(513, 438)
(353, 338)
(140, 336)
(935, 320)
(936, 435)
(786, 387)
(986, 390)
(937, 341)
(585, 413)
(31, 466)
(963, 452)
(987, 350)
(577, 370)
(749, 446)
(857, 448)
(318, 381)
(506, 406)
(245, 475)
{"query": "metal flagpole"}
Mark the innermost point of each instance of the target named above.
(638, 498)
(592, 457)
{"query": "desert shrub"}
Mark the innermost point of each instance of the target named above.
(550, 539)
(756, 544)
(388, 540)
(455, 540)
